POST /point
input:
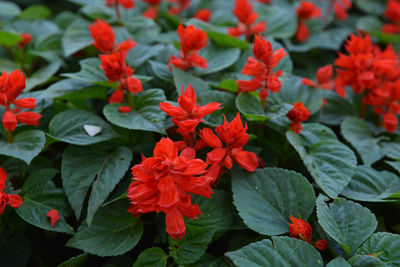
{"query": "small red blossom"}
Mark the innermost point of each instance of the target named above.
(162, 183)
(262, 69)
(340, 8)
(390, 122)
(11, 86)
(234, 136)
(324, 78)
(203, 14)
(300, 229)
(12, 200)
(305, 11)
(392, 12)
(192, 40)
(152, 10)
(247, 17)
(125, 109)
(189, 114)
(178, 6)
(299, 113)
(54, 217)
(128, 4)
(26, 39)
(321, 244)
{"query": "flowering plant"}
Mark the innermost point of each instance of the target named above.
(199, 133)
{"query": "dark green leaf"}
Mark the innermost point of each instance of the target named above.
(183, 79)
(384, 246)
(77, 36)
(218, 58)
(42, 75)
(9, 39)
(78, 261)
(223, 39)
(152, 257)
(35, 12)
(281, 20)
(9, 10)
(338, 262)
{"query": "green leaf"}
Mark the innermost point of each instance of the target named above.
(366, 261)
(337, 109)
(391, 149)
(183, 79)
(357, 132)
(9, 39)
(227, 101)
(7, 65)
(331, 39)
(97, 164)
(208, 260)
(77, 36)
(284, 252)
(145, 116)
(61, 88)
(78, 261)
(161, 70)
(223, 39)
(376, 7)
(40, 195)
(15, 248)
(90, 72)
(68, 126)
(349, 223)
(370, 185)
(330, 163)
(373, 26)
(384, 246)
(25, 146)
(338, 262)
(152, 257)
(42, 75)
(9, 10)
(34, 12)
(281, 20)
(267, 197)
(218, 58)
(216, 219)
(113, 232)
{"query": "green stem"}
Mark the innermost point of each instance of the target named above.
(117, 11)
(130, 100)
(9, 136)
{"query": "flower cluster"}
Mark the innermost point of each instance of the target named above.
(246, 20)
(124, 3)
(11, 86)
(26, 39)
(305, 11)
(152, 10)
(374, 73)
(340, 8)
(262, 69)
(7, 199)
(302, 230)
(392, 12)
(203, 14)
(192, 40)
(178, 6)
(324, 78)
(113, 62)
(299, 113)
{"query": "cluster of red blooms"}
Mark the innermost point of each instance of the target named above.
(203, 14)
(302, 230)
(262, 69)
(152, 10)
(324, 78)
(340, 8)
(124, 3)
(26, 39)
(113, 62)
(305, 11)
(11, 86)
(299, 113)
(192, 40)
(374, 73)
(392, 12)
(7, 199)
(246, 21)
(178, 6)
(162, 182)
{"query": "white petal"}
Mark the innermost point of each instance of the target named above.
(92, 130)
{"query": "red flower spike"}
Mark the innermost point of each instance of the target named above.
(178, 6)
(26, 39)
(125, 109)
(340, 8)
(28, 102)
(54, 217)
(161, 183)
(29, 117)
(321, 244)
(390, 122)
(3, 178)
(124, 47)
(299, 113)
(152, 10)
(115, 67)
(305, 11)
(203, 14)
(103, 35)
(244, 12)
(302, 32)
(324, 78)
(128, 4)
(192, 40)
(7, 199)
(9, 121)
(300, 229)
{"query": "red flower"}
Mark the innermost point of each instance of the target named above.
(26, 39)
(7, 199)
(125, 3)
(324, 78)
(189, 114)
(392, 12)
(321, 244)
(390, 122)
(152, 9)
(54, 217)
(234, 136)
(262, 68)
(298, 114)
(203, 14)
(178, 6)
(11, 86)
(125, 109)
(265, 1)
(340, 7)
(244, 12)
(305, 11)
(300, 229)
(161, 183)
(192, 40)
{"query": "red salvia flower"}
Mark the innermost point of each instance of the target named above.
(11, 86)
(299, 113)
(340, 8)
(203, 14)
(324, 78)
(124, 3)
(300, 229)
(7, 199)
(192, 40)
(390, 122)
(305, 11)
(178, 6)
(161, 183)
(26, 39)
(234, 136)
(189, 114)
(54, 217)
(392, 12)
(152, 10)
(262, 69)
(247, 17)
(321, 244)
